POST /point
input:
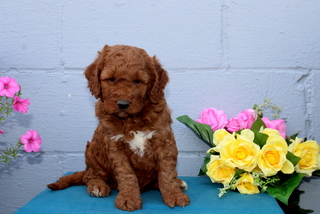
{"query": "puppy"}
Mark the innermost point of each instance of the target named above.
(133, 148)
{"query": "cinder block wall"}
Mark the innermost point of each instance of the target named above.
(223, 54)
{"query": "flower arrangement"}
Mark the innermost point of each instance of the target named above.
(251, 153)
(10, 100)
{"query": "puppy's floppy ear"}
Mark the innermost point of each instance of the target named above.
(93, 71)
(160, 82)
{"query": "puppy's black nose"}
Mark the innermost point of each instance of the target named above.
(123, 104)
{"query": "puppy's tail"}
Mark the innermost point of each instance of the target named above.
(68, 180)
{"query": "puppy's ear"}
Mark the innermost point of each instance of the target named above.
(161, 80)
(93, 71)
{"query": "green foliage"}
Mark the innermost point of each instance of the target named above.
(268, 104)
(204, 131)
(258, 124)
(293, 204)
(283, 189)
(316, 173)
(260, 139)
(264, 182)
(238, 173)
(203, 168)
(292, 158)
(10, 153)
(6, 108)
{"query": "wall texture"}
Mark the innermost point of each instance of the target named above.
(223, 54)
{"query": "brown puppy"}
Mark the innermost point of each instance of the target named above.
(133, 148)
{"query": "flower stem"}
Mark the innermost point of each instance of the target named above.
(10, 153)
(268, 104)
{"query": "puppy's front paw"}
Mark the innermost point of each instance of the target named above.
(183, 185)
(128, 202)
(99, 189)
(176, 199)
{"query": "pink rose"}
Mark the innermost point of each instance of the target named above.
(244, 120)
(279, 125)
(214, 118)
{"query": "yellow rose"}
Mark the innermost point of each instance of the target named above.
(219, 135)
(245, 184)
(269, 131)
(309, 153)
(239, 152)
(219, 171)
(272, 156)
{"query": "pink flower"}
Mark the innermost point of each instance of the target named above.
(31, 141)
(8, 86)
(21, 104)
(244, 120)
(279, 125)
(1, 131)
(214, 118)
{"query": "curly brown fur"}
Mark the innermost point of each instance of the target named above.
(133, 148)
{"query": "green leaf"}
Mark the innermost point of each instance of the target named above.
(316, 173)
(292, 158)
(239, 172)
(293, 205)
(203, 168)
(255, 107)
(292, 137)
(204, 131)
(256, 126)
(284, 189)
(260, 139)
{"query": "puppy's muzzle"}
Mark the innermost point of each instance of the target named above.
(123, 104)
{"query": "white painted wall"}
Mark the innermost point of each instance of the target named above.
(223, 54)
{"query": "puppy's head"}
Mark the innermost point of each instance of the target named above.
(126, 79)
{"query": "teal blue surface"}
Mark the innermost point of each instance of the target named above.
(203, 195)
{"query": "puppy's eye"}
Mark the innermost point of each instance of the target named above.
(137, 82)
(112, 80)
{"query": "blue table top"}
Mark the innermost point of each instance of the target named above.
(203, 195)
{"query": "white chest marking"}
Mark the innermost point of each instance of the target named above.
(138, 143)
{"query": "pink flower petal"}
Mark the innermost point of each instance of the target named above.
(214, 118)
(278, 124)
(8, 86)
(233, 125)
(31, 141)
(21, 104)
(244, 120)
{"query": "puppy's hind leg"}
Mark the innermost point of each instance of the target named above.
(96, 186)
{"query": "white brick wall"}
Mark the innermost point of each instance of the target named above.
(224, 54)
